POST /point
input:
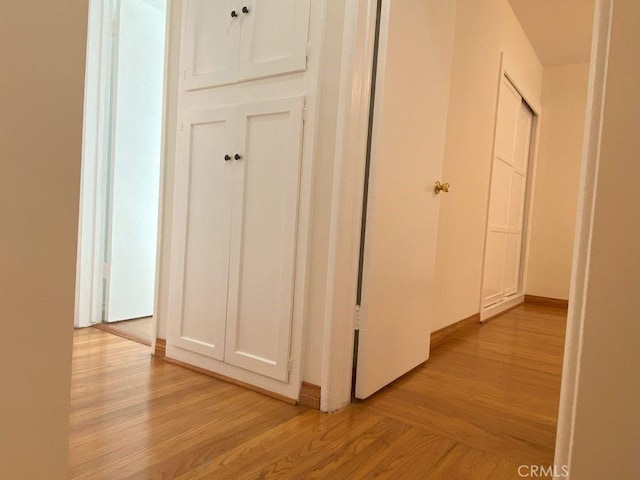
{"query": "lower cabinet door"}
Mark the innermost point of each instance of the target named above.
(263, 236)
(201, 226)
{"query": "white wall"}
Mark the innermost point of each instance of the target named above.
(564, 102)
(483, 30)
(41, 95)
(599, 422)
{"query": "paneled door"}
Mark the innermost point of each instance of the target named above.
(274, 37)
(503, 264)
(226, 41)
(408, 139)
(202, 223)
(263, 236)
(236, 217)
(210, 45)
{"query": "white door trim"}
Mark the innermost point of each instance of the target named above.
(582, 246)
(95, 143)
(346, 212)
(167, 122)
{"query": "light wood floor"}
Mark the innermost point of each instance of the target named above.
(484, 403)
(139, 330)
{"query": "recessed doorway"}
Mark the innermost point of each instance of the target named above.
(121, 165)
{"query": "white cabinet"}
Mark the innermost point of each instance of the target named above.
(235, 225)
(210, 43)
(227, 41)
(201, 226)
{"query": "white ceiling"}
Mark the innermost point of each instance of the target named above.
(559, 30)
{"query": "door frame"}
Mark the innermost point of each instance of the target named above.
(93, 232)
(507, 69)
(89, 295)
(347, 200)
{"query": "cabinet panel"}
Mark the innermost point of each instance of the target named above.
(263, 237)
(199, 315)
(274, 38)
(211, 39)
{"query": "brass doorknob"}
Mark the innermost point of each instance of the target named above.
(441, 187)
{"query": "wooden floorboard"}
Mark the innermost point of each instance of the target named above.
(139, 329)
(485, 403)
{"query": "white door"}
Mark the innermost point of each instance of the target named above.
(135, 158)
(274, 37)
(502, 267)
(410, 115)
(210, 45)
(263, 236)
(201, 228)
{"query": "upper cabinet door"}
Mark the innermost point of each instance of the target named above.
(274, 37)
(210, 44)
(263, 236)
(202, 220)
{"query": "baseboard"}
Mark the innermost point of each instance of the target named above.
(546, 302)
(440, 336)
(290, 401)
(105, 327)
(161, 348)
(310, 396)
(502, 307)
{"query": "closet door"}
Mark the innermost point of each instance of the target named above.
(513, 262)
(507, 197)
(210, 43)
(201, 224)
(263, 236)
(274, 37)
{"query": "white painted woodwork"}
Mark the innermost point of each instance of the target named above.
(274, 38)
(409, 134)
(92, 227)
(136, 146)
(503, 254)
(218, 49)
(203, 231)
(269, 188)
(211, 38)
(263, 236)
(236, 230)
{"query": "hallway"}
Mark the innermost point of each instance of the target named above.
(485, 403)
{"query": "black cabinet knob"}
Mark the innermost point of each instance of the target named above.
(245, 10)
(237, 157)
(234, 14)
(227, 158)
